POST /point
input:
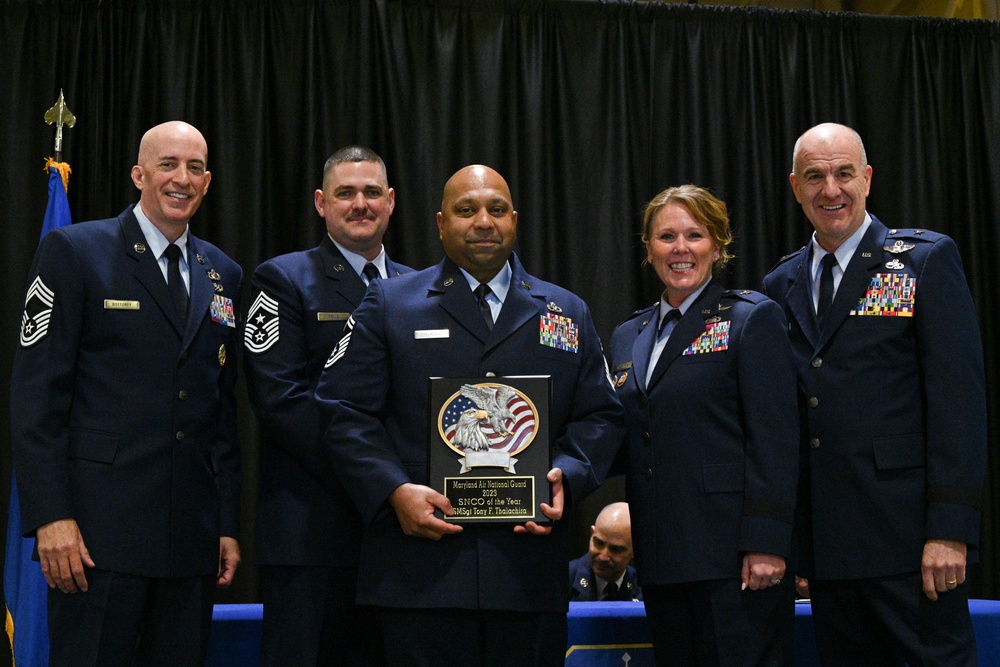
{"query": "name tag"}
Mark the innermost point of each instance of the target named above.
(421, 334)
(117, 304)
(332, 317)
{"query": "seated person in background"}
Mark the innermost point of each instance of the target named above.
(604, 573)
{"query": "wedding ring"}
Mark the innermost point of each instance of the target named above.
(952, 582)
(775, 582)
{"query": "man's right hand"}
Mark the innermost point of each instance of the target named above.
(63, 555)
(415, 505)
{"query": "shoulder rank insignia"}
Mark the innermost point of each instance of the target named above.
(341, 347)
(37, 312)
(262, 328)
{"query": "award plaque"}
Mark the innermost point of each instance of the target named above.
(489, 447)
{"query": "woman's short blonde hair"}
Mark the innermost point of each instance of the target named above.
(706, 208)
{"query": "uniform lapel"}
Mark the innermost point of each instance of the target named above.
(687, 330)
(200, 273)
(457, 300)
(799, 297)
(346, 282)
(642, 347)
(523, 303)
(855, 280)
(147, 270)
(392, 269)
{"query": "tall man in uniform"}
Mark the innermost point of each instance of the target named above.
(474, 594)
(124, 420)
(894, 419)
(308, 531)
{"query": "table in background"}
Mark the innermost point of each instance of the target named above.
(601, 634)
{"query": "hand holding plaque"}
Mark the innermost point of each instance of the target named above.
(488, 447)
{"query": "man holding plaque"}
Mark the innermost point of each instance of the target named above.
(478, 592)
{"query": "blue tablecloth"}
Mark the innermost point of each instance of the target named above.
(601, 634)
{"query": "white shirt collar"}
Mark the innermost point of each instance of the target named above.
(358, 262)
(500, 283)
(155, 240)
(844, 253)
(665, 306)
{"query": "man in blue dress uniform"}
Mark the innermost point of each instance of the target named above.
(891, 388)
(308, 532)
(471, 594)
(124, 420)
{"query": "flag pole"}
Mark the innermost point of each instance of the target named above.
(24, 586)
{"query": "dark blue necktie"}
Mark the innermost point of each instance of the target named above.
(175, 283)
(371, 272)
(667, 323)
(481, 293)
(610, 592)
(825, 287)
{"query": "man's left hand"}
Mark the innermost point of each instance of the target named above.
(761, 571)
(229, 560)
(943, 566)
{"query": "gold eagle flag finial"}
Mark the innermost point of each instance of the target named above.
(60, 115)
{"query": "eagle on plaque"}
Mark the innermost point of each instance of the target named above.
(491, 407)
(488, 423)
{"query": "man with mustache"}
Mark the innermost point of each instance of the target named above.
(123, 417)
(470, 594)
(308, 532)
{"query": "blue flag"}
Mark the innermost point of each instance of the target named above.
(24, 587)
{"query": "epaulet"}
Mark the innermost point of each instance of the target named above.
(744, 294)
(786, 258)
(923, 235)
(641, 311)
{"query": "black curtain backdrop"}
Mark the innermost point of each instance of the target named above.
(588, 108)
